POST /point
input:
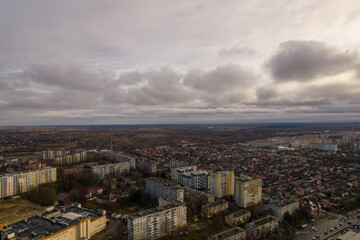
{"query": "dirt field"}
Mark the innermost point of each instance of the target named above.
(18, 209)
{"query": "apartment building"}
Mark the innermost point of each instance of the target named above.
(70, 223)
(248, 191)
(157, 222)
(222, 183)
(111, 169)
(197, 179)
(120, 157)
(235, 233)
(261, 227)
(211, 209)
(178, 170)
(236, 218)
(280, 209)
(15, 183)
(162, 188)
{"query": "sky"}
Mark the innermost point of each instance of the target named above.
(191, 61)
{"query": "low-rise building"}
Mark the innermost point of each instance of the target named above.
(70, 223)
(235, 233)
(161, 188)
(280, 209)
(211, 209)
(261, 227)
(236, 218)
(157, 222)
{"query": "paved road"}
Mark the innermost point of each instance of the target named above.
(321, 226)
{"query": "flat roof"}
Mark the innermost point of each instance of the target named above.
(228, 233)
(263, 221)
(155, 210)
(41, 226)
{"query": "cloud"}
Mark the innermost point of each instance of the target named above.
(309, 60)
(236, 51)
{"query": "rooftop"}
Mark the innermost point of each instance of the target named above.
(263, 221)
(155, 210)
(228, 233)
(50, 222)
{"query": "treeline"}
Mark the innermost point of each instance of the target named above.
(44, 195)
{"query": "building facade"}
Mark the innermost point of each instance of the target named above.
(280, 209)
(261, 227)
(162, 188)
(157, 222)
(211, 209)
(21, 182)
(222, 183)
(197, 180)
(111, 169)
(236, 218)
(174, 171)
(248, 191)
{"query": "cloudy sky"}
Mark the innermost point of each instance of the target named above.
(164, 61)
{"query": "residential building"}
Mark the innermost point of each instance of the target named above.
(176, 170)
(122, 158)
(162, 188)
(248, 191)
(235, 233)
(15, 183)
(157, 222)
(236, 218)
(70, 223)
(261, 227)
(197, 195)
(280, 209)
(222, 183)
(197, 179)
(211, 209)
(112, 169)
(323, 146)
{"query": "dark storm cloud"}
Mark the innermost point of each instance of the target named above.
(308, 60)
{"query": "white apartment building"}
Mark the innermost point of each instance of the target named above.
(15, 183)
(177, 170)
(157, 222)
(162, 188)
(196, 180)
(112, 169)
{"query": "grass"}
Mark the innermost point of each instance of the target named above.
(333, 217)
(14, 210)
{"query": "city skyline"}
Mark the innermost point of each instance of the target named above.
(118, 62)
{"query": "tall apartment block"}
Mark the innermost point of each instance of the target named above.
(21, 182)
(162, 188)
(248, 191)
(178, 170)
(222, 183)
(157, 222)
(197, 180)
